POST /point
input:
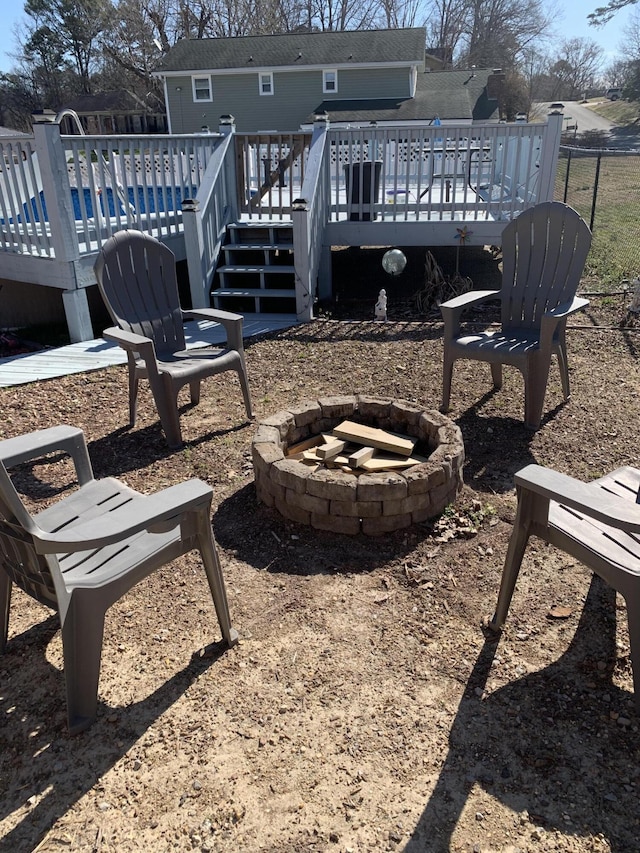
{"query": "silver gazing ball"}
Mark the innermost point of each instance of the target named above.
(394, 261)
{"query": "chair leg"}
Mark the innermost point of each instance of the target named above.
(515, 552)
(496, 375)
(564, 373)
(166, 399)
(194, 390)
(82, 635)
(5, 603)
(633, 619)
(447, 373)
(535, 388)
(244, 384)
(133, 396)
(213, 569)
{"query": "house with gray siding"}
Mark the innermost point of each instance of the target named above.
(278, 82)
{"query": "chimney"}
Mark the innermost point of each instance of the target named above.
(495, 83)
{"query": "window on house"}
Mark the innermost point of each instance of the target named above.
(266, 83)
(202, 88)
(330, 81)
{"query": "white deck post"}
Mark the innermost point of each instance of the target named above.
(227, 127)
(303, 250)
(62, 221)
(549, 156)
(194, 249)
(300, 221)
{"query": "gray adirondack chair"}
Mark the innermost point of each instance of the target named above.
(137, 279)
(82, 554)
(597, 522)
(544, 251)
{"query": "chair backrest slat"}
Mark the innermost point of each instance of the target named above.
(137, 279)
(544, 251)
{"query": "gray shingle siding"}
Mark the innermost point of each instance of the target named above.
(295, 93)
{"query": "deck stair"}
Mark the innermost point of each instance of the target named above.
(257, 272)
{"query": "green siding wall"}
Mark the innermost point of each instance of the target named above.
(296, 96)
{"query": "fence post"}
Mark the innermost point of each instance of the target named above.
(62, 222)
(549, 156)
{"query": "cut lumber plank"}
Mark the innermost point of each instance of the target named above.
(333, 448)
(363, 455)
(311, 455)
(380, 463)
(304, 445)
(375, 437)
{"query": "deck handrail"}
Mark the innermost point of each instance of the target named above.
(207, 216)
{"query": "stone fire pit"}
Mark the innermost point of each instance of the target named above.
(370, 503)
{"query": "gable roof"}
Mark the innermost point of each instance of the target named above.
(119, 100)
(450, 95)
(328, 49)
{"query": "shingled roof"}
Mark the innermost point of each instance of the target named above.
(450, 95)
(333, 49)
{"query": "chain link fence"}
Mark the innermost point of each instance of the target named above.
(604, 187)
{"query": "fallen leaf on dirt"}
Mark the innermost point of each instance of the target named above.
(559, 611)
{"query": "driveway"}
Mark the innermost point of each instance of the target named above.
(575, 113)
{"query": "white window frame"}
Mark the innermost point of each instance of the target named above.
(195, 89)
(261, 75)
(326, 90)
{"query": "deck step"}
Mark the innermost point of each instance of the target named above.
(252, 272)
(257, 269)
(254, 292)
(256, 247)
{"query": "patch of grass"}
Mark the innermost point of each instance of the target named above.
(619, 112)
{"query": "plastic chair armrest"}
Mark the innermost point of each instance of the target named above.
(588, 498)
(63, 438)
(162, 510)
(232, 323)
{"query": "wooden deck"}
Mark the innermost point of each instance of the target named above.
(98, 354)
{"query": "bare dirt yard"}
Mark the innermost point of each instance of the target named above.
(366, 708)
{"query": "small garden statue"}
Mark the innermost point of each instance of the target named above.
(381, 306)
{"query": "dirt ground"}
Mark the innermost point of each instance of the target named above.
(365, 707)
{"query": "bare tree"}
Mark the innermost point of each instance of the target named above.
(579, 62)
(445, 26)
(499, 31)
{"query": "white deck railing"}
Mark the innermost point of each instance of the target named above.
(97, 185)
(62, 197)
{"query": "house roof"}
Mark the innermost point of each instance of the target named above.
(118, 101)
(450, 95)
(9, 131)
(332, 49)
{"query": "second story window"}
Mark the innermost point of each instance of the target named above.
(329, 81)
(202, 88)
(266, 83)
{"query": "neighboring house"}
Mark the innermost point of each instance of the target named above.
(450, 96)
(275, 82)
(117, 112)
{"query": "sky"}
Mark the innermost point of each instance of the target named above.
(573, 25)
